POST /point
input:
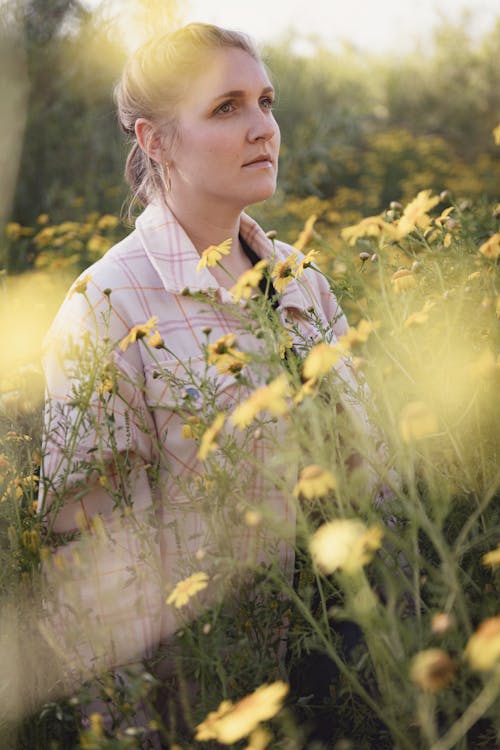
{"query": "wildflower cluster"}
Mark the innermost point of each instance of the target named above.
(379, 443)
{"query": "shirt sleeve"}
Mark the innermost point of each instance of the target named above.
(99, 433)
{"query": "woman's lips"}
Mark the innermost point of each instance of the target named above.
(259, 163)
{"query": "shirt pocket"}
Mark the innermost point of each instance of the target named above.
(181, 393)
(178, 386)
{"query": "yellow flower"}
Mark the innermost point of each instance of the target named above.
(491, 248)
(444, 217)
(98, 244)
(208, 440)
(156, 341)
(269, 398)
(212, 254)
(417, 421)
(285, 342)
(308, 388)
(344, 544)
(483, 649)
(306, 262)
(357, 336)
(233, 721)
(492, 559)
(307, 233)
(107, 221)
(186, 589)
(232, 363)
(320, 360)
(415, 213)
(80, 286)
(432, 670)
(403, 280)
(42, 219)
(225, 357)
(371, 226)
(314, 481)
(248, 281)
(420, 317)
(106, 386)
(44, 237)
(496, 134)
(283, 272)
(138, 332)
(189, 428)
(223, 345)
(96, 725)
(259, 739)
(13, 230)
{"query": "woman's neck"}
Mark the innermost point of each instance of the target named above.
(204, 229)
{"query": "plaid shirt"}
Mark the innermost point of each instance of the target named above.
(152, 272)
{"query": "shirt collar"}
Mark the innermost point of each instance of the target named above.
(175, 258)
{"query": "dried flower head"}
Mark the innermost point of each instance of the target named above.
(432, 670)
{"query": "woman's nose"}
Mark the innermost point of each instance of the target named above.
(262, 127)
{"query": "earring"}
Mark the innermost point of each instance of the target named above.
(165, 177)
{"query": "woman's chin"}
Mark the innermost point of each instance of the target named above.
(262, 193)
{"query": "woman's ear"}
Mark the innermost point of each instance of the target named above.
(149, 139)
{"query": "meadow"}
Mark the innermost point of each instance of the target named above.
(386, 634)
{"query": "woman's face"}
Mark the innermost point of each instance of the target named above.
(226, 155)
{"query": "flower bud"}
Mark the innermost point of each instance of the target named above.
(442, 622)
(432, 670)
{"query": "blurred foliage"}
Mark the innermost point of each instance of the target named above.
(357, 130)
(390, 126)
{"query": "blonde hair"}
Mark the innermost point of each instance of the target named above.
(153, 83)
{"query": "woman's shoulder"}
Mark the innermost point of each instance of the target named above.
(124, 272)
(112, 288)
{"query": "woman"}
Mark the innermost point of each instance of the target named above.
(138, 380)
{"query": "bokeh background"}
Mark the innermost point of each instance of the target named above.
(375, 102)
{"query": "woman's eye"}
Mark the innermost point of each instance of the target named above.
(267, 102)
(225, 108)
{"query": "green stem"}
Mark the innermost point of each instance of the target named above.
(404, 743)
(477, 708)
